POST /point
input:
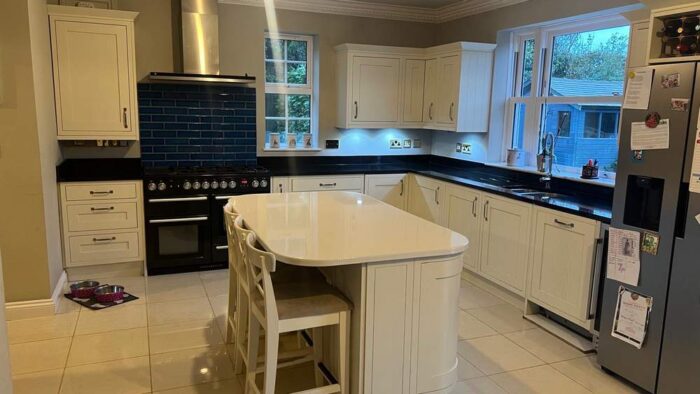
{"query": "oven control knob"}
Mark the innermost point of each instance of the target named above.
(263, 183)
(205, 185)
(223, 184)
(187, 185)
(255, 183)
(152, 186)
(214, 184)
(196, 185)
(232, 184)
(162, 186)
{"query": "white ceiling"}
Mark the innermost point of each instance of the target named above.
(419, 3)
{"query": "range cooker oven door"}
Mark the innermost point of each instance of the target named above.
(178, 234)
(218, 229)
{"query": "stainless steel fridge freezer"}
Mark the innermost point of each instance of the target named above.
(648, 192)
(679, 370)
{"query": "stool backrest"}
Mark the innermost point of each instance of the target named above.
(241, 235)
(260, 264)
(234, 259)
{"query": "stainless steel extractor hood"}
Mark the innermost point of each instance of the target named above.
(196, 47)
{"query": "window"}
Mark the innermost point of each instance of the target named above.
(569, 82)
(288, 86)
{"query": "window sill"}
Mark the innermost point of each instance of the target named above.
(267, 149)
(606, 182)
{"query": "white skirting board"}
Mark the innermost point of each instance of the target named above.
(37, 308)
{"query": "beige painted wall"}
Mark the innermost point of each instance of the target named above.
(22, 221)
(49, 152)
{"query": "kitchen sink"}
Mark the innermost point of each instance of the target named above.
(542, 195)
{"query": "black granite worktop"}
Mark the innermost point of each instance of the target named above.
(97, 170)
(581, 199)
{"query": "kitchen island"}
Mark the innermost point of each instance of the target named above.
(402, 274)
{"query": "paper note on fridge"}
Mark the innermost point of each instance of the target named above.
(638, 88)
(623, 256)
(647, 138)
(631, 317)
(694, 185)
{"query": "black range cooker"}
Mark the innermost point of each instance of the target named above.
(184, 214)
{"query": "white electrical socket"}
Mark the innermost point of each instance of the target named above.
(467, 149)
(407, 143)
(459, 147)
(394, 144)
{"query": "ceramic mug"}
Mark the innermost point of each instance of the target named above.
(307, 140)
(291, 140)
(274, 140)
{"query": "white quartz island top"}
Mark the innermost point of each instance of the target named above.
(332, 228)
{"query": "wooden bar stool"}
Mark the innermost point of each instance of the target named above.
(288, 307)
(235, 273)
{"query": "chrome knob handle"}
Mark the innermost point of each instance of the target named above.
(152, 186)
(214, 184)
(263, 183)
(205, 185)
(187, 185)
(223, 184)
(232, 184)
(255, 184)
(162, 186)
(196, 185)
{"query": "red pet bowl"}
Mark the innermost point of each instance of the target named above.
(84, 289)
(109, 293)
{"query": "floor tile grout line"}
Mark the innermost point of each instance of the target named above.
(538, 366)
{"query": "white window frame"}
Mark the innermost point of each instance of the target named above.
(287, 88)
(539, 96)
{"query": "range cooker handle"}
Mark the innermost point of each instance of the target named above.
(223, 197)
(180, 220)
(178, 199)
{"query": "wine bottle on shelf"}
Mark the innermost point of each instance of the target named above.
(672, 28)
(688, 45)
(691, 25)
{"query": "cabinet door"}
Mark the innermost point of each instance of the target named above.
(448, 89)
(413, 85)
(92, 81)
(349, 183)
(562, 263)
(430, 91)
(437, 294)
(279, 184)
(639, 36)
(375, 90)
(390, 188)
(425, 199)
(463, 215)
(505, 242)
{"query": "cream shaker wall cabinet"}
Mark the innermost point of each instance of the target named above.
(94, 71)
(447, 87)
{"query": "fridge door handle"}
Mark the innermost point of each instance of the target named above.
(595, 279)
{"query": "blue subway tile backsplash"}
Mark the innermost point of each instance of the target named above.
(197, 125)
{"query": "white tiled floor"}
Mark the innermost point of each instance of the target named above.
(172, 341)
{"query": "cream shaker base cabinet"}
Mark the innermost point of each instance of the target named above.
(463, 214)
(390, 188)
(102, 222)
(279, 184)
(94, 73)
(562, 263)
(425, 198)
(505, 242)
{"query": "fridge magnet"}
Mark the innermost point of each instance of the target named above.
(631, 320)
(638, 155)
(678, 104)
(650, 243)
(652, 120)
(274, 140)
(671, 80)
(623, 256)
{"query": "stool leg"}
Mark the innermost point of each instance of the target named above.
(231, 323)
(343, 353)
(252, 353)
(272, 339)
(317, 337)
(242, 321)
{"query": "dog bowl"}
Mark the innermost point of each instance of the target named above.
(84, 289)
(109, 293)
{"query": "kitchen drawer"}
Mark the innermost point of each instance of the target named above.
(102, 216)
(100, 191)
(319, 183)
(105, 248)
